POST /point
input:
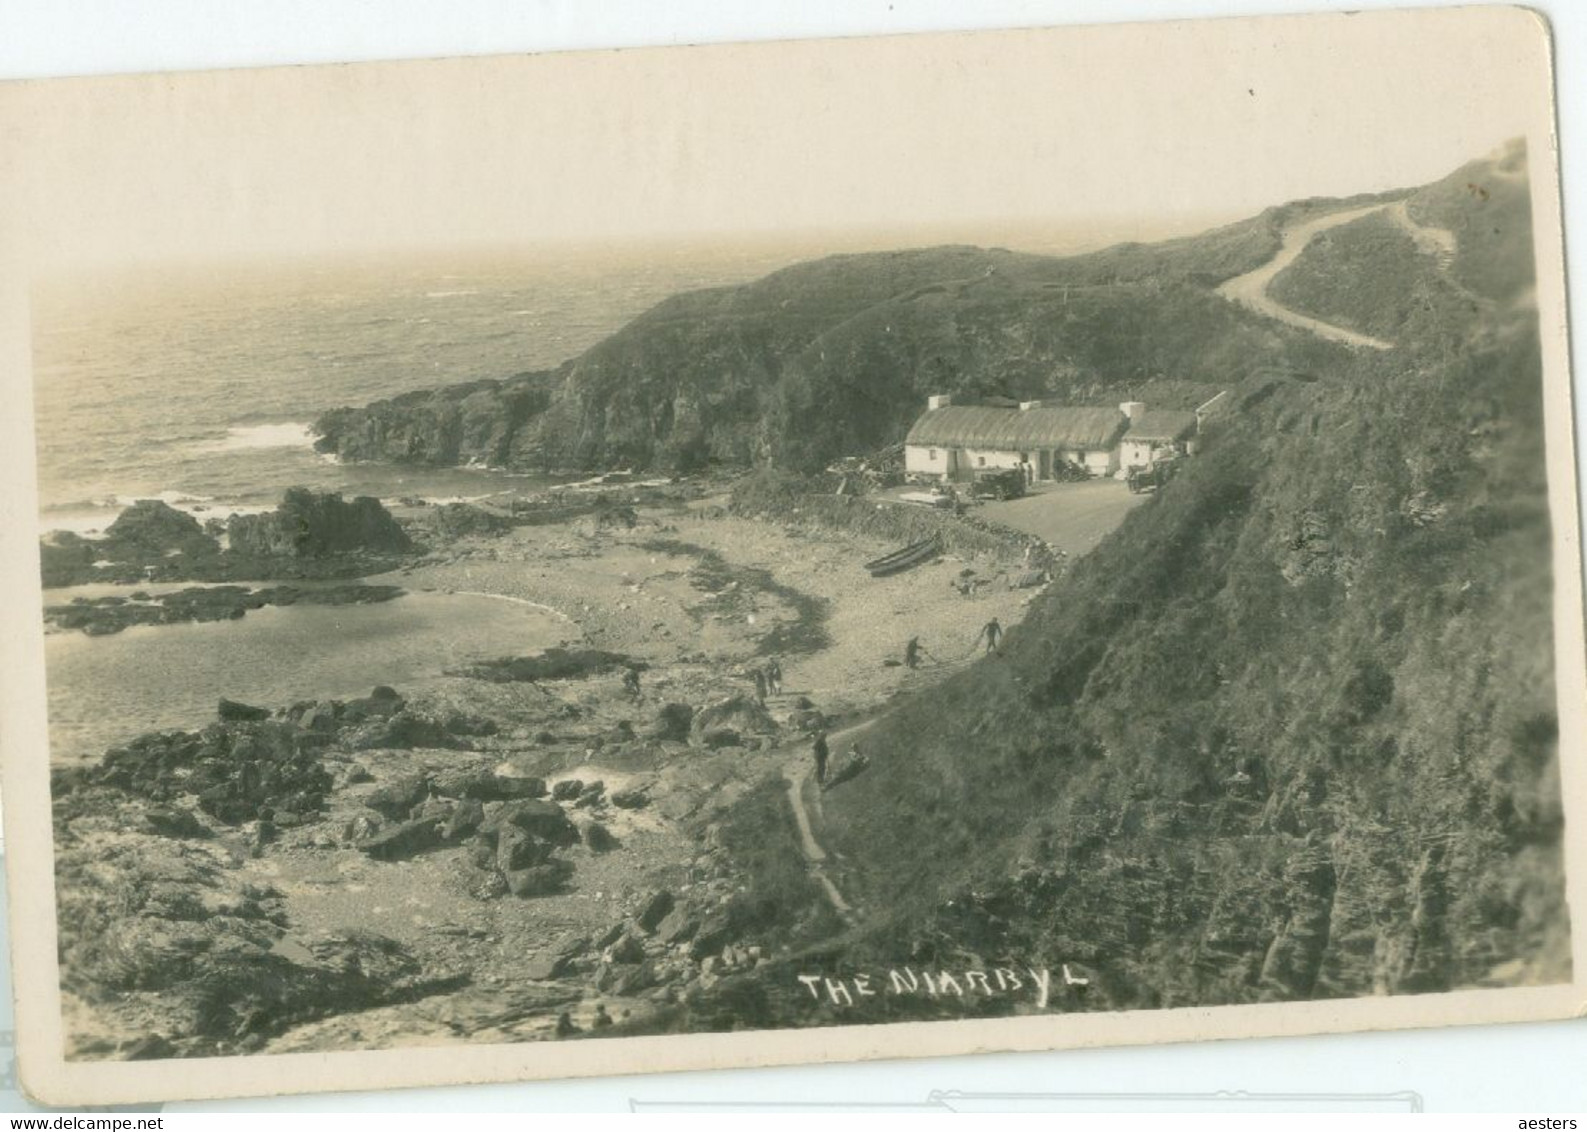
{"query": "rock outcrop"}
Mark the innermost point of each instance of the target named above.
(111, 613)
(150, 539)
(733, 716)
(310, 535)
(161, 937)
(315, 525)
(238, 771)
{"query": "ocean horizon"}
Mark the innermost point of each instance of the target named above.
(198, 385)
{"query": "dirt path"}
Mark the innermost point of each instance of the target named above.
(1436, 242)
(797, 772)
(1250, 289)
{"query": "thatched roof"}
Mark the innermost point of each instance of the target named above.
(1162, 424)
(982, 426)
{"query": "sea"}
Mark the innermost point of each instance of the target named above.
(198, 385)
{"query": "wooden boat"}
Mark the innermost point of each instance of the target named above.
(912, 555)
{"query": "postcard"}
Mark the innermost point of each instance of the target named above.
(633, 561)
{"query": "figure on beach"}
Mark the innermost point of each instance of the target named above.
(819, 750)
(912, 653)
(760, 685)
(993, 633)
(774, 676)
(631, 681)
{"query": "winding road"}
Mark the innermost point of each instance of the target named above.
(1250, 289)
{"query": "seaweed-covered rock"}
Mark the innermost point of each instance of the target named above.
(516, 850)
(678, 926)
(714, 933)
(66, 558)
(655, 909)
(240, 771)
(739, 713)
(449, 521)
(465, 819)
(232, 711)
(404, 840)
(543, 819)
(541, 880)
(633, 798)
(462, 723)
(153, 526)
(382, 703)
(483, 783)
(671, 722)
(507, 786)
(597, 838)
(548, 967)
(404, 730)
(395, 797)
(313, 525)
(173, 821)
(552, 664)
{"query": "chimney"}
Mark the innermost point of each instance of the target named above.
(1132, 409)
(938, 401)
(1025, 405)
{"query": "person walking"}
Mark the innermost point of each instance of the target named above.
(912, 653)
(760, 685)
(993, 632)
(819, 750)
(774, 676)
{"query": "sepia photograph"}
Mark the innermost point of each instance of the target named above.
(622, 561)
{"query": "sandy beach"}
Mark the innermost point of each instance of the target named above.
(640, 591)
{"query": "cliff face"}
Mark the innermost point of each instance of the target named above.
(837, 356)
(476, 423)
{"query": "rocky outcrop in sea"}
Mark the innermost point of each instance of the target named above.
(310, 535)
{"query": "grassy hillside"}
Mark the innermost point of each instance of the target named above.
(836, 356)
(1381, 276)
(1290, 732)
(1487, 205)
(1369, 276)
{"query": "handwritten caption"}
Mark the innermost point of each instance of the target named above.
(1034, 983)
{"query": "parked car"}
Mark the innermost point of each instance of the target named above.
(1004, 483)
(1152, 477)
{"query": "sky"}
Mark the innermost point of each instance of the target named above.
(1167, 125)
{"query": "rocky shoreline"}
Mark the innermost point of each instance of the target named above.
(534, 836)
